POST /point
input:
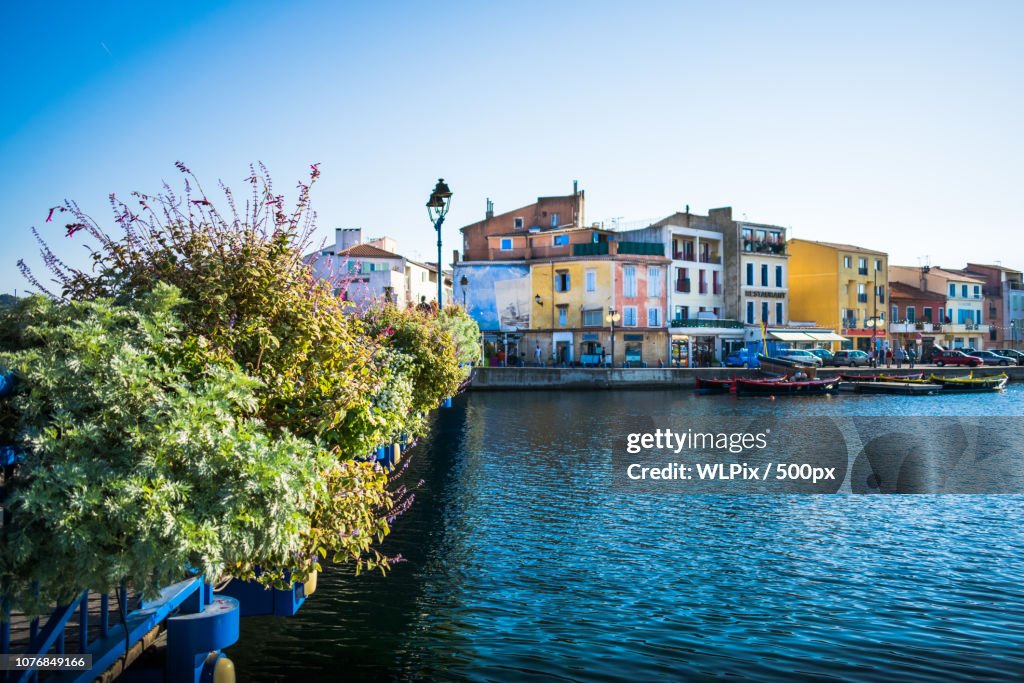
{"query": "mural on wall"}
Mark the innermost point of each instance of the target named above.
(497, 296)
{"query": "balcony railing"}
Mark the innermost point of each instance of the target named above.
(862, 298)
(862, 271)
(590, 249)
(704, 322)
(642, 248)
(717, 288)
(703, 288)
(764, 246)
(708, 258)
(683, 286)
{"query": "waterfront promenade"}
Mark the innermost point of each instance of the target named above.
(534, 378)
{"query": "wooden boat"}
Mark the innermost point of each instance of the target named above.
(972, 383)
(785, 366)
(786, 386)
(716, 384)
(882, 377)
(912, 387)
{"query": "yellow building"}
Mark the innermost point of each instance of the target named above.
(841, 287)
(571, 302)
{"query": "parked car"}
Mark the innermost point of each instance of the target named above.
(742, 359)
(991, 358)
(801, 356)
(1012, 353)
(824, 354)
(956, 358)
(851, 358)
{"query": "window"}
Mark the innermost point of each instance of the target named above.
(702, 282)
(517, 222)
(590, 278)
(760, 235)
(654, 317)
(750, 273)
(592, 318)
(862, 266)
(963, 291)
(927, 314)
(562, 283)
(506, 244)
(764, 311)
(977, 291)
(977, 317)
(560, 240)
(683, 280)
(878, 264)
(862, 294)
(563, 316)
(717, 311)
(911, 314)
(778, 276)
(682, 312)
(778, 312)
(554, 220)
(629, 316)
(629, 281)
(750, 312)
(847, 262)
(952, 289)
(653, 281)
(895, 312)
(880, 293)
(764, 274)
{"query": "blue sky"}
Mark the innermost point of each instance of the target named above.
(896, 126)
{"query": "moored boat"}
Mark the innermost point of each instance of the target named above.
(716, 384)
(785, 366)
(971, 383)
(786, 386)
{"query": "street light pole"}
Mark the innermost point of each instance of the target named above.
(613, 317)
(437, 208)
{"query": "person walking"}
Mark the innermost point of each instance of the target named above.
(888, 357)
(911, 356)
(871, 358)
(537, 355)
(899, 357)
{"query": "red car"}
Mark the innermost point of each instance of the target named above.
(956, 358)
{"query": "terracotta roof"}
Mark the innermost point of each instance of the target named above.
(910, 291)
(366, 251)
(842, 247)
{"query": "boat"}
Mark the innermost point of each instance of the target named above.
(972, 383)
(716, 384)
(786, 385)
(914, 387)
(882, 377)
(785, 366)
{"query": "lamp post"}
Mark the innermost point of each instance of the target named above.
(613, 317)
(464, 282)
(437, 208)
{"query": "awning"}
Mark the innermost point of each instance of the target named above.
(825, 336)
(790, 336)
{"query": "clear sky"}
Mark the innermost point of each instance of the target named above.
(893, 125)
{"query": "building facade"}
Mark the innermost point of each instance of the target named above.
(960, 323)
(544, 214)
(841, 287)
(1002, 290)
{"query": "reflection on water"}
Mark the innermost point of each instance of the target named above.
(524, 565)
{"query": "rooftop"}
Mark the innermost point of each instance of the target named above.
(841, 247)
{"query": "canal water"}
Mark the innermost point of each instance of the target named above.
(524, 564)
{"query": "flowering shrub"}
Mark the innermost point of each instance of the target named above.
(198, 399)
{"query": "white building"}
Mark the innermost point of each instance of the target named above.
(764, 274)
(364, 273)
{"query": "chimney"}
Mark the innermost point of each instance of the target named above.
(455, 256)
(924, 278)
(687, 215)
(490, 209)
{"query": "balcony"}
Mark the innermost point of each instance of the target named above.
(717, 289)
(965, 328)
(642, 248)
(703, 288)
(862, 298)
(704, 322)
(909, 327)
(590, 249)
(764, 247)
(862, 271)
(711, 258)
(683, 286)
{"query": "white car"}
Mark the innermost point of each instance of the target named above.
(801, 356)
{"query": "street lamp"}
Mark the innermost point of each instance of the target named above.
(437, 209)
(613, 317)
(464, 282)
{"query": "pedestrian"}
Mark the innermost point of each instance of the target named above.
(899, 357)
(871, 358)
(537, 354)
(888, 357)
(911, 356)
